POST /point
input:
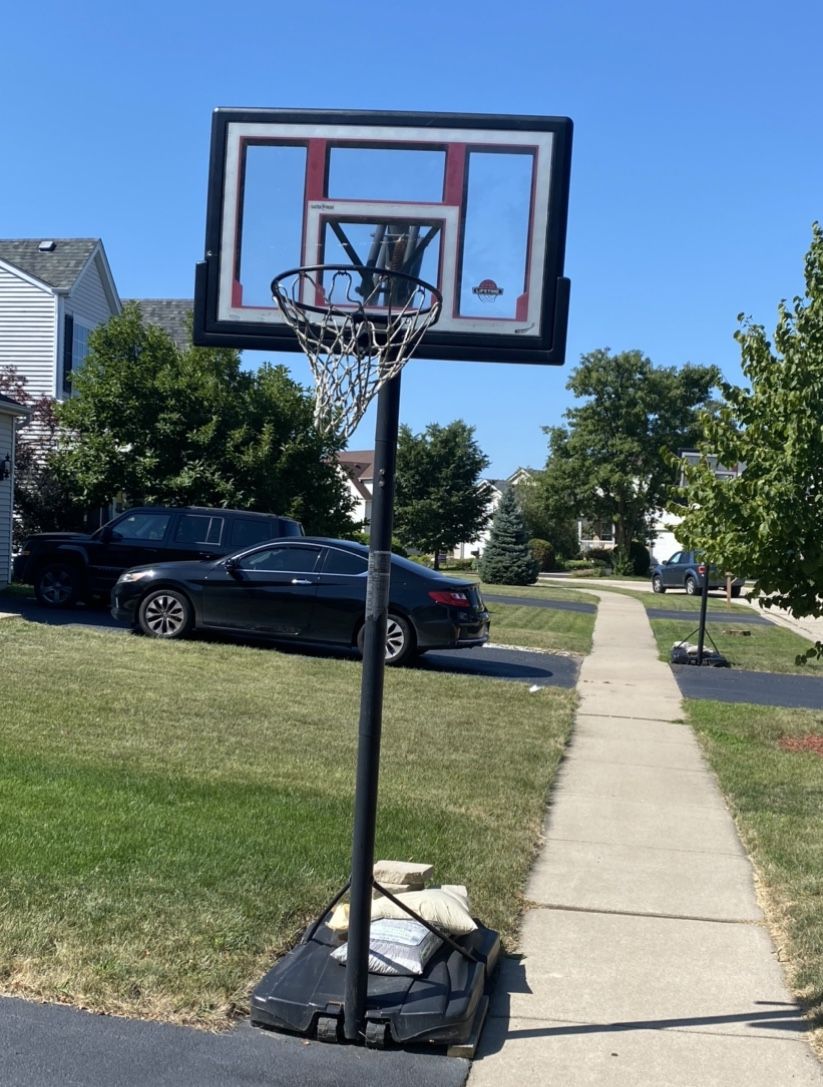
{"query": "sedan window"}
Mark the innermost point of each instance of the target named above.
(344, 562)
(293, 559)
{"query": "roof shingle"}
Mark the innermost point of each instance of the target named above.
(58, 267)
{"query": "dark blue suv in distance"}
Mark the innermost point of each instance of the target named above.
(65, 567)
(686, 570)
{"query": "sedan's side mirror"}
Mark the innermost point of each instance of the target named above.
(232, 565)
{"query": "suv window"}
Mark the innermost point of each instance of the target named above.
(343, 562)
(142, 526)
(675, 560)
(198, 528)
(293, 559)
(247, 531)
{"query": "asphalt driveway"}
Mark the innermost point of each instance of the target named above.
(757, 688)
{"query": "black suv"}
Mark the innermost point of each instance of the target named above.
(65, 567)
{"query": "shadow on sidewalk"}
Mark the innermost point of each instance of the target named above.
(511, 978)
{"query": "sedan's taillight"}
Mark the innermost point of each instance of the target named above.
(450, 599)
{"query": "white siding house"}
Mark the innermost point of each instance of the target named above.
(10, 412)
(53, 293)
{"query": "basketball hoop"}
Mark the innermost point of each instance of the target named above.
(358, 326)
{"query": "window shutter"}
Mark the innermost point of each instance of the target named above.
(68, 339)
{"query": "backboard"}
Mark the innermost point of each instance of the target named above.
(474, 205)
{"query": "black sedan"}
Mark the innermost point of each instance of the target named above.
(308, 590)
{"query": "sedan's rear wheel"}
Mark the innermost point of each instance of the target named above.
(165, 613)
(657, 584)
(400, 643)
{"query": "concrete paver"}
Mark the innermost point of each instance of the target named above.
(645, 959)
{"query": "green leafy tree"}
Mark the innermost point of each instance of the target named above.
(440, 499)
(506, 558)
(766, 522)
(172, 426)
(609, 462)
(556, 526)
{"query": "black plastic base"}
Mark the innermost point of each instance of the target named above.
(304, 993)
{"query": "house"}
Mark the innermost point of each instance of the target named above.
(474, 548)
(665, 542)
(53, 293)
(358, 470)
(10, 413)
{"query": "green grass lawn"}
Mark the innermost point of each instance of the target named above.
(541, 628)
(776, 796)
(171, 815)
(754, 646)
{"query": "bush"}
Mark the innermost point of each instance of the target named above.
(543, 554)
(599, 554)
(459, 564)
(584, 568)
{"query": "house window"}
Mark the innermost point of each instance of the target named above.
(75, 348)
(600, 531)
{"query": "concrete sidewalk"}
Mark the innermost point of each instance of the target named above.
(645, 958)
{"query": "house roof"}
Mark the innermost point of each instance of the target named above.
(56, 262)
(359, 463)
(173, 315)
(12, 407)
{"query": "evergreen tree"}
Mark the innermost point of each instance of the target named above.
(506, 559)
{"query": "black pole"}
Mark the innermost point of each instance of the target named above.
(371, 709)
(704, 603)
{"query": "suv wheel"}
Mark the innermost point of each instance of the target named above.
(165, 613)
(400, 645)
(690, 586)
(657, 584)
(57, 585)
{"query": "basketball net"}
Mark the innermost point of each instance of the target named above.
(357, 326)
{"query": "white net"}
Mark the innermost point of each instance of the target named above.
(357, 326)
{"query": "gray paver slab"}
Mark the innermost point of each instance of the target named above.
(541, 1052)
(655, 786)
(591, 875)
(583, 818)
(619, 752)
(639, 732)
(701, 976)
(622, 698)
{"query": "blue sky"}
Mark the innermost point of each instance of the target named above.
(697, 166)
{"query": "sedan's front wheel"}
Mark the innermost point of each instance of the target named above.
(400, 644)
(165, 613)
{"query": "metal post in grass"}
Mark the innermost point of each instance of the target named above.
(704, 604)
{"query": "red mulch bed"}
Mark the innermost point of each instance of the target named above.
(803, 743)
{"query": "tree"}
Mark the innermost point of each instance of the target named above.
(557, 527)
(766, 522)
(440, 498)
(175, 427)
(506, 559)
(41, 502)
(609, 463)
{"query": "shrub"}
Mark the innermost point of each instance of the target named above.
(543, 553)
(601, 555)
